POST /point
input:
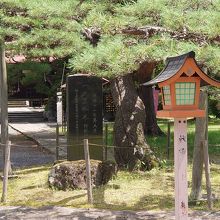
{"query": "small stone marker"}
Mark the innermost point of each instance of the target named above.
(59, 108)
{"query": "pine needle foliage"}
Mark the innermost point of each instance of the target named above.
(53, 28)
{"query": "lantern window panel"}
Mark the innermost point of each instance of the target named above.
(185, 93)
(166, 95)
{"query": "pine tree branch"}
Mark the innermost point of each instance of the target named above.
(79, 4)
(12, 10)
(149, 31)
(92, 34)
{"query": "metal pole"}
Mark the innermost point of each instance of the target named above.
(4, 120)
(180, 166)
(88, 171)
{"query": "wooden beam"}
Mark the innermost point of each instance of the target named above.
(4, 120)
(207, 174)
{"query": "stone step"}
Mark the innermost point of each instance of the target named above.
(25, 117)
(17, 103)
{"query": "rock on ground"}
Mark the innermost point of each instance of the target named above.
(72, 174)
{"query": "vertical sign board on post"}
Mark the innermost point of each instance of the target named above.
(180, 161)
(84, 115)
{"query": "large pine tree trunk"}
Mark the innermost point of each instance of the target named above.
(200, 135)
(128, 129)
(144, 74)
(151, 127)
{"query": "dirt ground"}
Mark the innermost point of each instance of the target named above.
(63, 213)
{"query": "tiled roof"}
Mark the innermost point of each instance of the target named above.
(172, 67)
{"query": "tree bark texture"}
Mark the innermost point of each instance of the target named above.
(128, 130)
(201, 134)
(144, 74)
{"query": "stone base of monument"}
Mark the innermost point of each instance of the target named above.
(72, 174)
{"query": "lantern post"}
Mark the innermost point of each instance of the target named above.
(179, 84)
(180, 167)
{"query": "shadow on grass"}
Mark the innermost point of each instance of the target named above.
(63, 202)
(33, 169)
(38, 200)
(30, 187)
(150, 202)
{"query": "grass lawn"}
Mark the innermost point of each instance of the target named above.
(159, 143)
(152, 190)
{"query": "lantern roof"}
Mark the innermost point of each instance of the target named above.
(183, 65)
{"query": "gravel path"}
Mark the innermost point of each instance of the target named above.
(44, 134)
(25, 153)
(62, 213)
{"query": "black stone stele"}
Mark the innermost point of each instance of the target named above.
(84, 115)
(173, 65)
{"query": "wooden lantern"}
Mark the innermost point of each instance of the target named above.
(180, 83)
